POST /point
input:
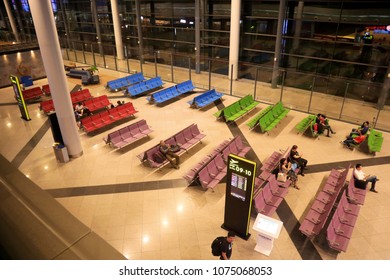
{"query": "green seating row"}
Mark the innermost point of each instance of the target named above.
(255, 120)
(237, 109)
(305, 123)
(273, 117)
(375, 141)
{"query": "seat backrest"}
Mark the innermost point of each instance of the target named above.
(204, 177)
(180, 139)
(219, 161)
(195, 130)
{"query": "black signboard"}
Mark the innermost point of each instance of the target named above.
(19, 97)
(240, 179)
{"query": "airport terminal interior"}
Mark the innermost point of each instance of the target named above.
(150, 213)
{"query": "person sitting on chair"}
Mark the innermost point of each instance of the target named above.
(323, 124)
(353, 140)
(171, 156)
(295, 157)
(362, 130)
(359, 174)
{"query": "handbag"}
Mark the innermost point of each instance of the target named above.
(282, 177)
(174, 148)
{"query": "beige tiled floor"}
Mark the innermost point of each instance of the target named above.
(181, 222)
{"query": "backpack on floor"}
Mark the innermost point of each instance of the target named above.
(216, 246)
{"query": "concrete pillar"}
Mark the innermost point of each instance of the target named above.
(385, 90)
(234, 37)
(49, 45)
(139, 31)
(197, 36)
(97, 26)
(278, 43)
(117, 29)
(12, 21)
(298, 25)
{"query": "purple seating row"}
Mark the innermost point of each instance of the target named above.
(186, 139)
(193, 173)
(214, 171)
(234, 146)
(269, 198)
(268, 166)
(272, 162)
(320, 209)
(341, 226)
(128, 134)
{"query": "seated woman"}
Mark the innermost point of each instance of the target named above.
(285, 168)
(362, 130)
(353, 140)
(323, 124)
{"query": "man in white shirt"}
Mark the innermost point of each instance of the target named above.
(359, 174)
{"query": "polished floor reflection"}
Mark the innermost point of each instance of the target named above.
(152, 214)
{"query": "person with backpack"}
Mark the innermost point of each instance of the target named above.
(222, 246)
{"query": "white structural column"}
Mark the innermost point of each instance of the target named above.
(45, 29)
(12, 21)
(117, 29)
(234, 38)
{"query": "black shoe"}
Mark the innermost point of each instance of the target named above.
(373, 190)
(302, 174)
(333, 132)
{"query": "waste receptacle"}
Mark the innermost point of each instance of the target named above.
(61, 153)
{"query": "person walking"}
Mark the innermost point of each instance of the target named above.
(227, 246)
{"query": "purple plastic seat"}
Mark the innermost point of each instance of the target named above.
(345, 218)
(269, 198)
(262, 207)
(214, 172)
(324, 197)
(277, 190)
(350, 208)
(340, 228)
(206, 181)
(321, 207)
(225, 153)
(335, 241)
(196, 133)
(144, 127)
(242, 150)
(220, 164)
(309, 228)
(180, 139)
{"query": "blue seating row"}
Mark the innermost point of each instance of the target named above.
(205, 99)
(185, 86)
(145, 86)
(171, 92)
(120, 83)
